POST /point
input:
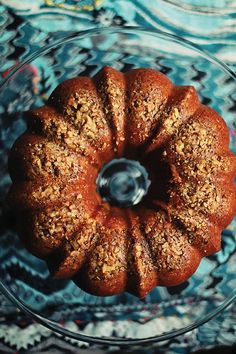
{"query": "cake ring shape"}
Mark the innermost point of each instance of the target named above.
(106, 247)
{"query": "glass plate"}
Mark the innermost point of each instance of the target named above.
(57, 304)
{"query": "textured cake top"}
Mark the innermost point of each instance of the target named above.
(142, 116)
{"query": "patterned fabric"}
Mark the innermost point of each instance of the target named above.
(30, 25)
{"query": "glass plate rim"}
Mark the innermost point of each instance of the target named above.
(202, 10)
(51, 324)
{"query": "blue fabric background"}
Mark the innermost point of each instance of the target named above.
(28, 25)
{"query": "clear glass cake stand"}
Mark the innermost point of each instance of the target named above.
(58, 304)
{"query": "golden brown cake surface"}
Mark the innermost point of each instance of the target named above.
(140, 115)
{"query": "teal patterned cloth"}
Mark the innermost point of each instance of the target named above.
(29, 25)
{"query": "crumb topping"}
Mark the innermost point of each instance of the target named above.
(194, 224)
(58, 222)
(145, 108)
(85, 113)
(113, 103)
(202, 168)
(84, 238)
(194, 140)
(205, 197)
(50, 160)
(172, 120)
(109, 256)
(168, 246)
(139, 257)
(61, 131)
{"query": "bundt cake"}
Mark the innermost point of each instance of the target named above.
(79, 168)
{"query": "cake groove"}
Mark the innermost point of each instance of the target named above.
(174, 115)
(141, 270)
(74, 252)
(111, 88)
(45, 159)
(82, 106)
(56, 128)
(148, 146)
(146, 92)
(35, 195)
(107, 267)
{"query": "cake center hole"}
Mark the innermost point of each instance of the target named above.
(123, 182)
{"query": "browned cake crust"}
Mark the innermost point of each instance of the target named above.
(86, 122)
